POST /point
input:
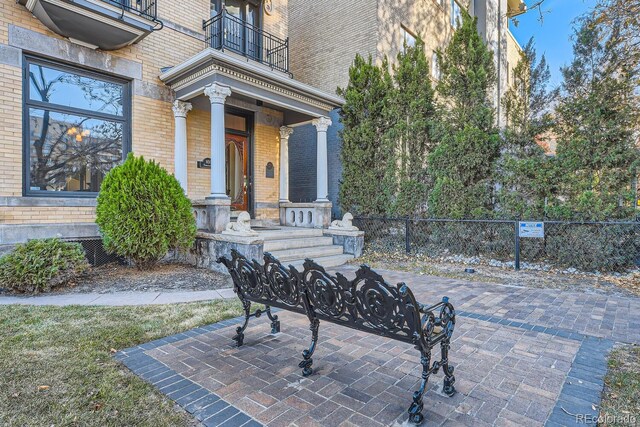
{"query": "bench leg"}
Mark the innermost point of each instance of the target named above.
(275, 323)
(449, 379)
(415, 410)
(239, 336)
(306, 354)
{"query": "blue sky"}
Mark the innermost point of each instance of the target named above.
(552, 36)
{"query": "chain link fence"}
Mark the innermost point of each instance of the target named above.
(584, 246)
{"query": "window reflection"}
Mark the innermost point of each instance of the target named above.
(73, 90)
(408, 39)
(456, 14)
(71, 153)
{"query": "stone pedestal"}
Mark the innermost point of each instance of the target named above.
(323, 214)
(209, 247)
(218, 214)
(352, 242)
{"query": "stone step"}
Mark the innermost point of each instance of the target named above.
(325, 261)
(299, 254)
(289, 233)
(304, 242)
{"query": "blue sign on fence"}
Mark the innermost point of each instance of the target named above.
(531, 229)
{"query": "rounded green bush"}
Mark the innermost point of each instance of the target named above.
(143, 212)
(42, 264)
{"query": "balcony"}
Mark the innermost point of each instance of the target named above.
(103, 24)
(227, 32)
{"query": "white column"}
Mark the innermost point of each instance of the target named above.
(322, 170)
(285, 132)
(217, 95)
(180, 110)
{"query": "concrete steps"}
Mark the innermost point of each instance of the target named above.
(313, 252)
(296, 243)
(328, 261)
(288, 233)
(292, 245)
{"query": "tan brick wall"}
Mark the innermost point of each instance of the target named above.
(46, 215)
(325, 36)
(513, 55)
(428, 19)
(10, 131)
(278, 22)
(266, 149)
(153, 132)
(198, 147)
(152, 119)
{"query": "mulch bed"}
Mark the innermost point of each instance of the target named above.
(165, 277)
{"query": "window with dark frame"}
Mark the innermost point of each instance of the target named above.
(408, 38)
(456, 14)
(77, 127)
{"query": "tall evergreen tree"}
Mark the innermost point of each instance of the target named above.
(524, 172)
(620, 19)
(365, 151)
(411, 105)
(469, 144)
(597, 124)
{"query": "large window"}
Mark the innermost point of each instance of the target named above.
(77, 127)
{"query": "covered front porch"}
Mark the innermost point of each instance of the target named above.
(233, 119)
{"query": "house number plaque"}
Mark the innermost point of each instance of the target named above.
(270, 170)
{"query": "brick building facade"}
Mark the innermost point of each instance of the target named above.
(166, 85)
(325, 37)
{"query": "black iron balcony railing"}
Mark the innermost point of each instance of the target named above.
(145, 8)
(225, 31)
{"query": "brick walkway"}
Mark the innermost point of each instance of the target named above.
(523, 357)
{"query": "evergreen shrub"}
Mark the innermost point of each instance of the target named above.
(42, 264)
(143, 212)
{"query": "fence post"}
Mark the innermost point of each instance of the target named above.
(517, 248)
(407, 238)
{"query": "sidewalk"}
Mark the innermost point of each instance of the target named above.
(119, 298)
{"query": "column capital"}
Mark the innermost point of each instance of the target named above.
(217, 93)
(321, 123)
(181, 108)
(285, 132)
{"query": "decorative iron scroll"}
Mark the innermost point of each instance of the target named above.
(271, 284)
(367, 303)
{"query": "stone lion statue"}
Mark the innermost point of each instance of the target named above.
(345, 223)
(242, 226)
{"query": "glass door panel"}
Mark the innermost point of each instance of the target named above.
(236, 171)
(252, 17)
(234, 36)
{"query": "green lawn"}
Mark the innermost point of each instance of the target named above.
(57, 366)
(621, 399)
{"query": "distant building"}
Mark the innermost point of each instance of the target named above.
(326, 35)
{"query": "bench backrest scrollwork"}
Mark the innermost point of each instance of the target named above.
(271, 284)
(367, 303)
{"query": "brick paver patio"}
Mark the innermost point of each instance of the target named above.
(523, 357)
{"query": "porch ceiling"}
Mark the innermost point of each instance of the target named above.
(249, 80)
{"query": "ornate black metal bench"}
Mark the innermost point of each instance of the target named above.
(367, 304)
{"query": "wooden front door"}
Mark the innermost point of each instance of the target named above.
(236, 171)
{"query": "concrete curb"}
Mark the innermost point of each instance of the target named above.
(119, 298)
